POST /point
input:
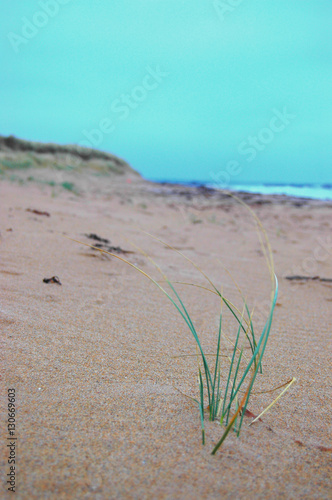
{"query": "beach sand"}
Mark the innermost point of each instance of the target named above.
(97, 363)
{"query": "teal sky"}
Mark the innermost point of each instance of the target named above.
(182, 89)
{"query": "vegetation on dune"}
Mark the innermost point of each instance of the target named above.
(20, 155)
(13, 144)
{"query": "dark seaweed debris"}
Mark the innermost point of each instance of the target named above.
(54, 279)
(104, 244)
(308, 278)
(37, 212)
(93, 236)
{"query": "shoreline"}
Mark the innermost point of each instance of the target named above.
(215, 194)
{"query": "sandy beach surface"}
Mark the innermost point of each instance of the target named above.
(98, 362)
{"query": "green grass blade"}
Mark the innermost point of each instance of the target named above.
(201, 406)
(234, 381)
(205, 363)
(214, 402)
(230, 371)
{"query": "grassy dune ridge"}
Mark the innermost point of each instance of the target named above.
(23, 161)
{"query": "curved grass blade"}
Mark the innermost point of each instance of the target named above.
(274, 401)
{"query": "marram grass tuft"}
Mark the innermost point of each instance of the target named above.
(223, 394)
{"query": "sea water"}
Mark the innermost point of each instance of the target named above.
(318, 192)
